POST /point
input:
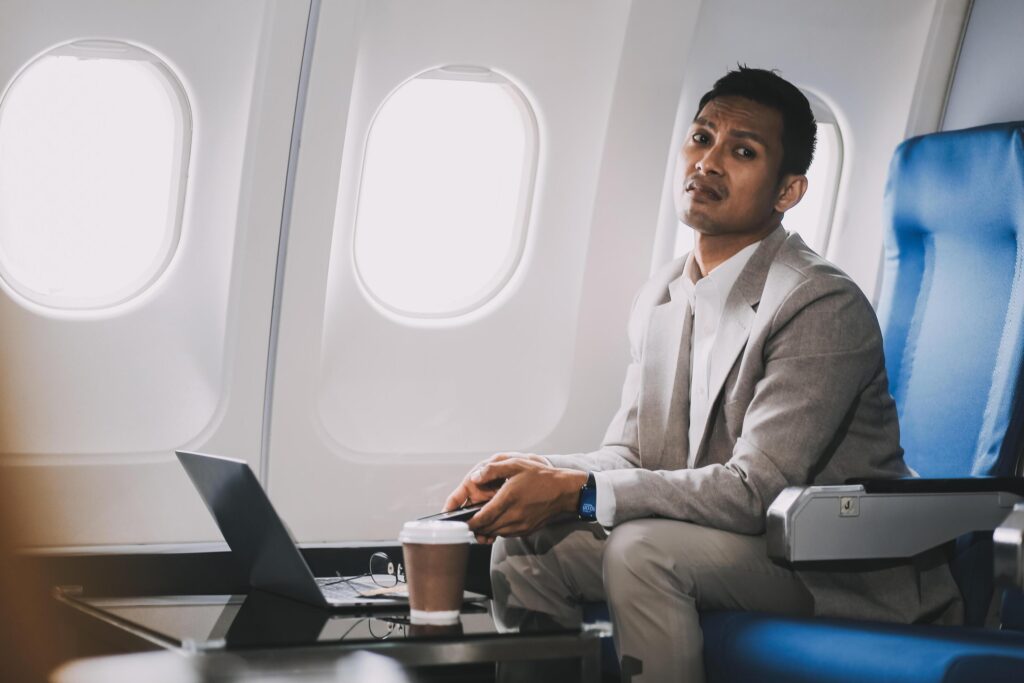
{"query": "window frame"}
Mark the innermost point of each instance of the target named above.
(823, 113)
(514, 257)
(183, 121)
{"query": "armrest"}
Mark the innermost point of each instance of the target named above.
(1014, 485)
(878, 519)
(1008, 549)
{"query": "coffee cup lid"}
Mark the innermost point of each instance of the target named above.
(435, 532)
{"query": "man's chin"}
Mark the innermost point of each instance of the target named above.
(699, 222)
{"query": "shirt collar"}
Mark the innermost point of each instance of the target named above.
(723, 276)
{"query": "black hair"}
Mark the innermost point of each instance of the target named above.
(765, 87)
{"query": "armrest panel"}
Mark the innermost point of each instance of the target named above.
(817, 523)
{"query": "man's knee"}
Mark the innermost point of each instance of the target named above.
(504, 573)
(549, 571)
(541, 555)
(639, 557)
(500, 550)
(636, 559)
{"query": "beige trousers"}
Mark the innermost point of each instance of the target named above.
(655, 574)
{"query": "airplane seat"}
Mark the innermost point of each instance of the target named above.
(952, 316)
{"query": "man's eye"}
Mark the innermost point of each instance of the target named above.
(745, 152)
(700, 138)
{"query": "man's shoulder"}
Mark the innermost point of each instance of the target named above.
(798, 266)
(799, 279)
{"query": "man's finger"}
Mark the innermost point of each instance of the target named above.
(477, 485)
(506, 521)
(468, 492)
(485, 517)
(489, 514)
(494, 471)
(465, 492)
(457, 497)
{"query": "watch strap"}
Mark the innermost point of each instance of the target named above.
(586, 508)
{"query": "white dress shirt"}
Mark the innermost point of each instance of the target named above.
(707, 297)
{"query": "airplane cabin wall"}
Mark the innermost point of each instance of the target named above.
(989, 83)
(376, 416)
(93, 403)
(372, 415)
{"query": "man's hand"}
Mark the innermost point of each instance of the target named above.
(532, 494)
(473, 489)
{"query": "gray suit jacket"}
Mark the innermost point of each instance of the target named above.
(802, 399)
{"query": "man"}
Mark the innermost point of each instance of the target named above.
(756, 365)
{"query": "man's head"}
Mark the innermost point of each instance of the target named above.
(744, 159)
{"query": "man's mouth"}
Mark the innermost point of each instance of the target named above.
(702, 189)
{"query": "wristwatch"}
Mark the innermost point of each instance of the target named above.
(587, 505)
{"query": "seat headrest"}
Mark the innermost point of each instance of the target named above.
(960, 180)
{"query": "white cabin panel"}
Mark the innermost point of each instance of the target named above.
(989, 82)
(375, 414)
(94, 401)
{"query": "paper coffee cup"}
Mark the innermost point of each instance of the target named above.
(436, 554)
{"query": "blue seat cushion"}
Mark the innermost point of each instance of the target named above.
(748, 646)
(953, 282)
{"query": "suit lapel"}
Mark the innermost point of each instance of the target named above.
(733, 331)
(737, 319)
(666, 374)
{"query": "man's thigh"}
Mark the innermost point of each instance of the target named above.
(717, 569)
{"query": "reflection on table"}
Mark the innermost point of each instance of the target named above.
(227, 636)
(173, 667)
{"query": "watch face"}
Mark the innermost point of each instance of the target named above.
(588, 509)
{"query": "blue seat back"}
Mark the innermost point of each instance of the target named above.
(952, 315)
(952, 302)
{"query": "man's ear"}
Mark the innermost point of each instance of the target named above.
(791, 191)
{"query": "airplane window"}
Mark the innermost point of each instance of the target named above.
(812, 217)
(445, 192)
(94, 140)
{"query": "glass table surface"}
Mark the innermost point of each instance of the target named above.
(260, 620)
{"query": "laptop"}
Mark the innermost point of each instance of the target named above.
(262, 543)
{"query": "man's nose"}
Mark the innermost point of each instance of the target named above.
(710, 162)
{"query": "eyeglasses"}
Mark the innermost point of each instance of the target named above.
(382, 571)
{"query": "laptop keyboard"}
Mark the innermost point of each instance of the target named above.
(332, 588)
(359, 587)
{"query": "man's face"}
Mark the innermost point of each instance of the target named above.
(727, 174)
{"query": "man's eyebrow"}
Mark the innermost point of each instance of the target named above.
(749, 135)
(746, 134)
